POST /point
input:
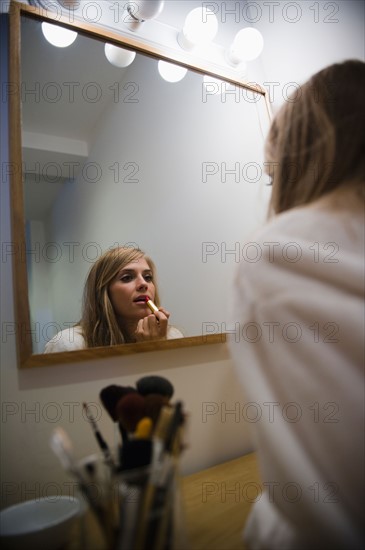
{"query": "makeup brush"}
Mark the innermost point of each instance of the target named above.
(99, 438)
(160, 470)
(62, 447)
(130, 409)
(143, 428)
(153, 405)
(109, 396)
(155, 384)
(173, 428)
(165, 464)
(137, 451)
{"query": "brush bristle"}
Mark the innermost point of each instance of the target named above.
(144, 428)
(154, 404)
(130, 409)
(110, 396)
(155, 384)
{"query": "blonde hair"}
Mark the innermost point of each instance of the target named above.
(316, 141)
(99, 322)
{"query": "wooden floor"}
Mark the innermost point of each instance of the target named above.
(217, 502)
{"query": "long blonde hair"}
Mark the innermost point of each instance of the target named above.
(316, 141)
(98, 322)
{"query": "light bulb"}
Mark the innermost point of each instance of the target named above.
(140, 10)
(58, 36)
(201, 26)
(147, 9)
(171, 72)
(119, 57)
(247, 45)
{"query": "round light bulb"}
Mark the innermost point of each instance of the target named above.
(171, 72)
(201, 26)
(146, 9)
(139, 11)
(58, 36)
(119, 57)
(247, 45)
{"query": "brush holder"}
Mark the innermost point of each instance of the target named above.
(138, 509)
(147, 504)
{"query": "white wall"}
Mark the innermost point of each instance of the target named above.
(303, 37)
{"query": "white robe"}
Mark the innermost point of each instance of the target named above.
(299, 353)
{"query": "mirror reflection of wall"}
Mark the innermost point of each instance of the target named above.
(115, 156)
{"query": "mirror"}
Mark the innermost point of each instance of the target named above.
(118, 156)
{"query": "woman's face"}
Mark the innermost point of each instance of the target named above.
(127, 292)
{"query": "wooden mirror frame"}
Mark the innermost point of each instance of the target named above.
(26, 358)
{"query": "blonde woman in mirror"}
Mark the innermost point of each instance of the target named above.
(301, 363)
(114, 305)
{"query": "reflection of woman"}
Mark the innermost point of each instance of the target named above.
(114, 307)
(301, 312)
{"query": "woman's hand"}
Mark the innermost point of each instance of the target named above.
(153, 327)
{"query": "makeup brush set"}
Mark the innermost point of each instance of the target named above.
(137, 504)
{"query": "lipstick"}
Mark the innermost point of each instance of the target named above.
(151, 305)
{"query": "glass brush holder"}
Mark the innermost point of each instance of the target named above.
(137, 504)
